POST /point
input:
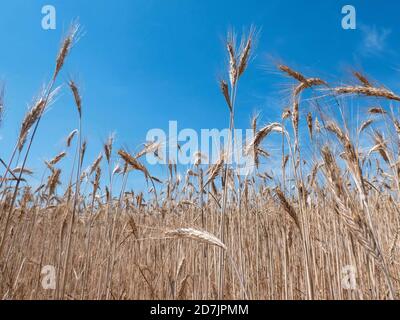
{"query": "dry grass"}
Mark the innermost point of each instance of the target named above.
(210, 234)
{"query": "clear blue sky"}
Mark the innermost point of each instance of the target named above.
(142, 63)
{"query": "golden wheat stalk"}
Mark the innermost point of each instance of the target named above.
(367, 91)
(66, 46)
(57, 158)
(198, 235)
(289, 209)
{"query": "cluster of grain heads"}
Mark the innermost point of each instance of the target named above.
(305, 83)
(215, 170)
(32, 120)
(278, 233)
(133, 163)
(53, 181)
(360, 226)
(254, 144)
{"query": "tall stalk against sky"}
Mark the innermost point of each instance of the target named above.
(238, 62)
(32, 118)
(75, 204)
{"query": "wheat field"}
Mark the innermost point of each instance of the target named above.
(210, 233)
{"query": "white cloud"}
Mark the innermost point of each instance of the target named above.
(374, 39)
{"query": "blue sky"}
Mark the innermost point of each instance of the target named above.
(142, 63)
